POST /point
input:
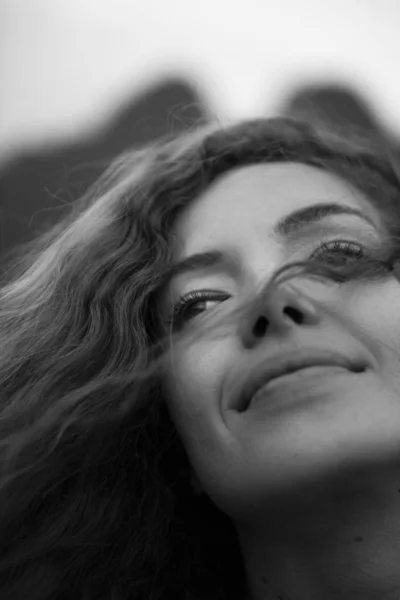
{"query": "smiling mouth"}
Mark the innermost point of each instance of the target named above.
(309, 370)
(296, 376)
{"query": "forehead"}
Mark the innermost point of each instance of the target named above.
(249, 201)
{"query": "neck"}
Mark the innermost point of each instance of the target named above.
(338, 543)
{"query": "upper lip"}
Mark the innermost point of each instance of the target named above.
(283, 364)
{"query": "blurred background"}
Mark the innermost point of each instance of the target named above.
(82, 80)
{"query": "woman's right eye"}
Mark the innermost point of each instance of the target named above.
(187, 303)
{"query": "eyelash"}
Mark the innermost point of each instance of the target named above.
(195, 296)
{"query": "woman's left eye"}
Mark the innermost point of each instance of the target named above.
(187, 304)
(343, 248)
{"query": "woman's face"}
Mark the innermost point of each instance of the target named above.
(313, 422)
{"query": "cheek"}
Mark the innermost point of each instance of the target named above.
(376, 315)
(196, 382)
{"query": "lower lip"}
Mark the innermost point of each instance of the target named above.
(299, 384)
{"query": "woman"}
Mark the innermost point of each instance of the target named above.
(218, 426)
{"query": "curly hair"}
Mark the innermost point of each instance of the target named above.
(95, 495)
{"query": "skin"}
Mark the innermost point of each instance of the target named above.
(312, 487)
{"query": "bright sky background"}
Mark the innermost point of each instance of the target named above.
(65, 64)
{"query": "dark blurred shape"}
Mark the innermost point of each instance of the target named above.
(37, 188)
(336, 104)
(339, 106)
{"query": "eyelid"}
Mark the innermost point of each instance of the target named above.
(367, 237)
(320, 231)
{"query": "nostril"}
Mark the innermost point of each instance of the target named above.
(260, 327)
(296, 315)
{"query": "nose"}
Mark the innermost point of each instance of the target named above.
(284, 309)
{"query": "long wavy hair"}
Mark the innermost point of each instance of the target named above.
(95, 495)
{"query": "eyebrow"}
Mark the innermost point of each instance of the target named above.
(289, 225)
